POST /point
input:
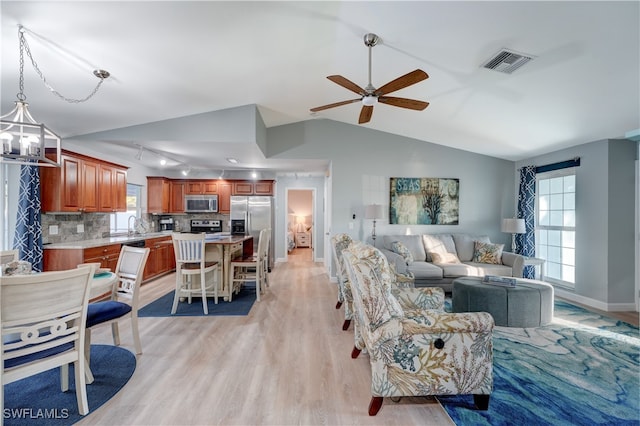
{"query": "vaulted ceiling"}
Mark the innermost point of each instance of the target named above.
(170, 59)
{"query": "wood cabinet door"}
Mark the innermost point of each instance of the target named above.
(210, 187)
(194, 187)
(89, 185)
(158, 195)
(105, 185)
(71, 200)
(263, 188)
(177, 197)
(242, 188)
(120, 190)
(224, 197)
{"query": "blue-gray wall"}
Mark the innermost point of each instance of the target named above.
(363, 160)
(605, 221)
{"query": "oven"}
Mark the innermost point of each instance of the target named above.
(206, 225)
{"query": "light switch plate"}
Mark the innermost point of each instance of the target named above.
(53, 229)
(80, 228)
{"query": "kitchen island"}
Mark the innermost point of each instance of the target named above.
(222, 248)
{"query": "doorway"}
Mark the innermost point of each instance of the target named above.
(300, 225)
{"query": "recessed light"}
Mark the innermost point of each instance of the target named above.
(232, 160)
(163, 162)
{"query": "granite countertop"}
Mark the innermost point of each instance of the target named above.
(227, 239)
(105, 241)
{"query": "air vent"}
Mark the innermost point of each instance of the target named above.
(507, 61)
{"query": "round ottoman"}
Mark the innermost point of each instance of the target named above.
(528, 304)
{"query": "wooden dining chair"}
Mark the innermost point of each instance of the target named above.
(128, 271)
(189, 250)
(254, 268)
(43, 319)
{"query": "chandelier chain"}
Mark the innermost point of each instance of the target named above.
(24, 47)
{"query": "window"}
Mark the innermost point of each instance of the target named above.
(556, 224)
(120, 221)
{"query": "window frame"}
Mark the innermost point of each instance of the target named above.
(565, 246)
(115, 227)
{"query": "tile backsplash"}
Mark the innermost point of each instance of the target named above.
(97, 225)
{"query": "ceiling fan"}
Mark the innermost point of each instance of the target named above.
(369, 96)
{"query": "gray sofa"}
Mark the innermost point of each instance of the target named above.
(430, 274)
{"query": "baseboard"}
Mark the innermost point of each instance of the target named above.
(597, 304)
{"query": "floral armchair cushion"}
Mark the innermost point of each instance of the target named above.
(339, 243)
(402, 250)
(423, 351)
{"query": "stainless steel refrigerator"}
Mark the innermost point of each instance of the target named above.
(257, 213)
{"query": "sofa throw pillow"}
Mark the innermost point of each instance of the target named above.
(402, 250)
(487, 253)
(444, 257)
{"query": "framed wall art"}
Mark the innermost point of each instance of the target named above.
(424, 201)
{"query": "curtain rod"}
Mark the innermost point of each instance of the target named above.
(574, 162)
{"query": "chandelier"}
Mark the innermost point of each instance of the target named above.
(24, 140)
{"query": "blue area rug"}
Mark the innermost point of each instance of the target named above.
(582, 369)
(37, 400)
(240, 305)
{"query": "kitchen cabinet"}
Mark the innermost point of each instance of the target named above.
(264, 187)
(62, 259)
(161, 258)
(201, 187)
(177, 197)
(158, 195)
(166, 195)
(224, 197)
(112, 184)
(82, 185)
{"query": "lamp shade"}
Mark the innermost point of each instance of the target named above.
(373, 211)
(513, 226)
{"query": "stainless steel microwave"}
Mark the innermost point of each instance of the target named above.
(201, 203)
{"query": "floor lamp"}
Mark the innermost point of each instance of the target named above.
(513, 226)
(373, 211)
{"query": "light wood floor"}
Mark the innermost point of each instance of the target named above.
(287, 362)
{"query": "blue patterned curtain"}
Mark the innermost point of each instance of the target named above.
(28, 236)
(526, 242)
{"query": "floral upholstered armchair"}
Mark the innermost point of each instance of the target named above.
(417, 352)
(339, 243)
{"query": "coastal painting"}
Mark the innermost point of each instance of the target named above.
(424, 201)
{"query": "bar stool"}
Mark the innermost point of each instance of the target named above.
(250, 268)
(190, 261)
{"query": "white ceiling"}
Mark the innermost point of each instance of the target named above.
(172, 58)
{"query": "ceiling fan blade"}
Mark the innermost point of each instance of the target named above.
(365, 114)
(337, 104)
(401, 82)
(403, 102)
(347, 84)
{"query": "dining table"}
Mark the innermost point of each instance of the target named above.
(102, 285)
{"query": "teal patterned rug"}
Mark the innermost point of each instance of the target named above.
(582, 369)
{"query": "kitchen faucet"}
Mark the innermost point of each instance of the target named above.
(132, 230)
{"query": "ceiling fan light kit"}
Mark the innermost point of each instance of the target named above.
(370, 96)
